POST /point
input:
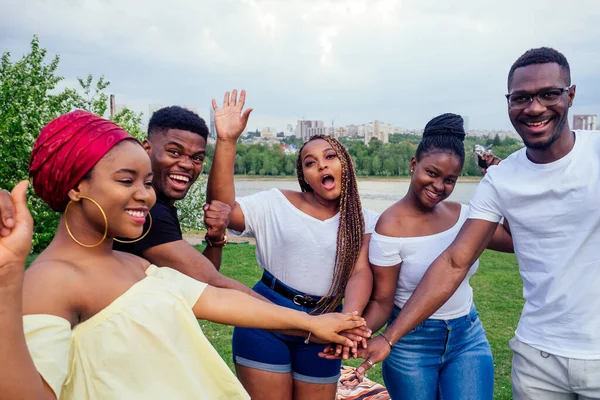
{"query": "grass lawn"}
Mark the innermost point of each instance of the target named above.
(498, 296)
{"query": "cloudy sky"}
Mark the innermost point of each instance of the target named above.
(353, 61)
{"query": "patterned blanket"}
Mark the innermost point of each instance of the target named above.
(349, 388)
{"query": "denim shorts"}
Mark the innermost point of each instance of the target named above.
(275, 352)
(441, 359)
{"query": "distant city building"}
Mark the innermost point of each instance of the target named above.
(585, 122)
(338, 131)
(352, 130)
(268, 132)
(289, 130)
(493, 133)
(466, 122)
(213, 131)
(306, 129)
(378, 130)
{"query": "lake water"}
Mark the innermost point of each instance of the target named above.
(375, 195)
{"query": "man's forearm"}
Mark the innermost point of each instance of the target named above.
(214, 255)
(220, 180)
(440, 281)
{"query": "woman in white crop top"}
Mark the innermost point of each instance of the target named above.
(312, 245)
(448, 355)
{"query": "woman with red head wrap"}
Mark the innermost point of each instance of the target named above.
(87, 322)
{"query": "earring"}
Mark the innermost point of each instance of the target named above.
(412, 170)
(141, 237)
(103, 216)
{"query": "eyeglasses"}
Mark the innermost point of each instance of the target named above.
(546, 97)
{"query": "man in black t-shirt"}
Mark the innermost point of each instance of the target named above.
(176, 145)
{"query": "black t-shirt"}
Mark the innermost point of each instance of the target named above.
(165, 229)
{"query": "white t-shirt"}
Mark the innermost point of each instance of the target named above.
(296, 248)
(416, 255)
(554, 215)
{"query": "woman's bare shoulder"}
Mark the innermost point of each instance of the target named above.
(393, 220)
(51, 286)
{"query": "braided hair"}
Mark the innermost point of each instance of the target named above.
(443, 134)
(351, 228)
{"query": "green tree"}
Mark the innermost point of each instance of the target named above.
(240, 167)
(290, 166)
(131, 122)
(376, 164)
(93, 99)
(28, 101)
(375, 144)
(389, 166)
(189, 209)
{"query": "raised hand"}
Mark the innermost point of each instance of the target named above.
(327, 327)
(216, 219)
(490, 159)
(15, 240)
(7, 213)
(230, 122)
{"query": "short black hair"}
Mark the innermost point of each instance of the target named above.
(175, 117)
(541, 55)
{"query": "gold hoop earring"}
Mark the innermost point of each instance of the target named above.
(103, 216)
(141, 237)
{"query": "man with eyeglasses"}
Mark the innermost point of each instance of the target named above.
(550, 194)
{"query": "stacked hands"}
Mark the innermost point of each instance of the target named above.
(372, 350)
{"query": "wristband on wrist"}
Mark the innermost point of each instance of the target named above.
(214, 243)
(307, 340)
(387, 340)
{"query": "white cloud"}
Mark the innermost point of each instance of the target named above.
(400, 61)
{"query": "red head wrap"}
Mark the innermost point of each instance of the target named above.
(67, 149)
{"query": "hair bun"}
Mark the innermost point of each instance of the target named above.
(446, 125)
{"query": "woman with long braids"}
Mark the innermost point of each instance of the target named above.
(312, 245)
(448, 355)
(87, 322)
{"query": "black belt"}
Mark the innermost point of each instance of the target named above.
(298, 299)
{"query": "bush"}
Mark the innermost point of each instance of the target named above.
(190, 209)
(29, 101)
(26, 106)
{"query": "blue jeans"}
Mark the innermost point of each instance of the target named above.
(441, 359)
(279, 353)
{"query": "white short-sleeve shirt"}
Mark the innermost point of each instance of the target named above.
(295, 247)
(554, 215)
(416, 255)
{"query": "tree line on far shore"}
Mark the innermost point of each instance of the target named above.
(375, 159)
